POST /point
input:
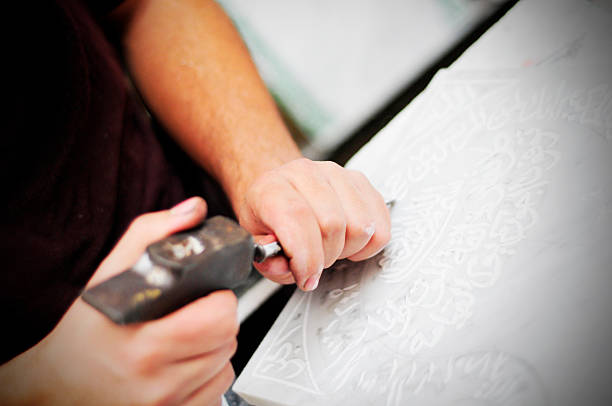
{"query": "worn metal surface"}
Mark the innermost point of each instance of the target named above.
(175, 271)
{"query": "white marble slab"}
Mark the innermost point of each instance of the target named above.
(495, 288)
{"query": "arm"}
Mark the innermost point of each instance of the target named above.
(195, 73)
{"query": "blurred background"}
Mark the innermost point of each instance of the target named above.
(333, 65)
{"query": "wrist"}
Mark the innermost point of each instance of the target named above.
(246, 173)
(21, 381)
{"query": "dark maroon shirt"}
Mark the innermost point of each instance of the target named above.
(80, 159)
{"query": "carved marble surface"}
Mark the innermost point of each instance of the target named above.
(495, 286)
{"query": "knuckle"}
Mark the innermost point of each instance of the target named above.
(327, 168)
(359, 176)
(382, 237)
(330, 165)
(301, 166)
(233, 347)
(302, 163)
(332, 226)
(227, 375)
(356, 173)
(141, 359)
(361, 228)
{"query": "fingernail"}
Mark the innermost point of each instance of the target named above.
(370, 230)
(185, 207)
(311, 283)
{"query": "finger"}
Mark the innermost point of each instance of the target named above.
(188, 376)
(197, 328)
(382, 218)
(308, 179)
(360, 221)
(152, 227)
(285, 211)
(210, 393)
(148, 228)
(274, 268)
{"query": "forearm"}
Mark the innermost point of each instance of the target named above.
(196, 75)
(194, 72)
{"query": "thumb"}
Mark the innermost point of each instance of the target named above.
(275, 268)
(147, 229)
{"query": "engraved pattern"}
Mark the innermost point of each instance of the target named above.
(486, 377)
(286, 361)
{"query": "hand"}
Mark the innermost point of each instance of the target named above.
(182, 358)
(319, 212)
